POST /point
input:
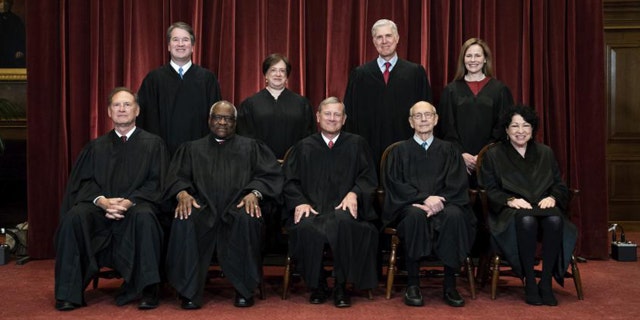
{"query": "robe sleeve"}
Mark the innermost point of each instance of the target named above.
(504, 102)
(398, 193)
(180, 174)
(447, 118)
(489, 179)
(293, 193)
(267, 173)
(151, 189)
(148, 119)
(366, 181)
(81, 185)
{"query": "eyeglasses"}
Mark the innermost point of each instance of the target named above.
(425, 115)
(218, 118)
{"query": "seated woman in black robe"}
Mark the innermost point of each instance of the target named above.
(528, 199)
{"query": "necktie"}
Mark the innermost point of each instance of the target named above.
(180, 71)
(385, 74)
(124, 138)
(330, 144)
(424, 145)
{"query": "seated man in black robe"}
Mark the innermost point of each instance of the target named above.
(330, 179)
(108, 215)
(426, 198)
(218, 182)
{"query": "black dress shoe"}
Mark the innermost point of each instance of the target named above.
(547, 296)
(62, 305)
(340, 297)
(187, 304)
(150, 298)
(453, 298)
(532, 295)
(318, 296)
(413, 297)
(242, 302)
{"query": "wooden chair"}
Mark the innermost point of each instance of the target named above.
(495, 262)
(395, 239)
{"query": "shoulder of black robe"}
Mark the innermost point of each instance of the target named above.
(160, 79)
(355, 90)
(502, 177)
(322, 177)
(412, 175)
(203, 167)
(280, 123)
(134, 170)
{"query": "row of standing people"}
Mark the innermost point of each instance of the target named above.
(377, 101)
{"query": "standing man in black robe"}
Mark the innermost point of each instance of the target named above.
(218, 182)
(426, 197)
(380, 92)
(330, 180)
(175, 98)
(108, 215)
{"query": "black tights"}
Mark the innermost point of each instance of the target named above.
(527, 230)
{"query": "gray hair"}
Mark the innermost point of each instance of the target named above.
(384, 22)
(330, 100)
(224, 102)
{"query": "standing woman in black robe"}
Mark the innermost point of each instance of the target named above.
(528, 201)
(276, 115)
(279, 117)
(471, 105)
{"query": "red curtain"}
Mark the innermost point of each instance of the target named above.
(549, 52)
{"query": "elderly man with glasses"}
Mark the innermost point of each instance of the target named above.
(426, 199)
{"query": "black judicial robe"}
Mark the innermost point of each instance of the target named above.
(379, 112)
(504, 173)
(413, 174)
(322, 177)
(177, 109)
(218, 176)
(86, 239)
(280, 123)
(470, 122)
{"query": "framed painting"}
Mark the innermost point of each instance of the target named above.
(13, 72)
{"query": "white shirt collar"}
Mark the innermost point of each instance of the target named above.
(326, 140)
(381, 62)
(186, 66)
(419, 141)
(128, 133)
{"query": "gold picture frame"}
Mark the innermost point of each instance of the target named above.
(13, 74)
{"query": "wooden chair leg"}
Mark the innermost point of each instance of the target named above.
(392, 265)
(287, 276)
(263, 290)
(472, 280)
(495, 276)
(483, 270)
(577, 280)
(96, 278)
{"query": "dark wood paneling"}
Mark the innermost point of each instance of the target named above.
(622, 54)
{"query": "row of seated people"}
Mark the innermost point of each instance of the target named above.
(214, 185)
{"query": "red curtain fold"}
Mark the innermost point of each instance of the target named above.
(548, 52)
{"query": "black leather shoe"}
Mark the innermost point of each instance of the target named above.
(62, 305)
(187, 304)
(150, 298)
(413, 297)
(532, 295)
(242, 302)
(453, 298)
(340, 297)
(547, 296)
(318, 296)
